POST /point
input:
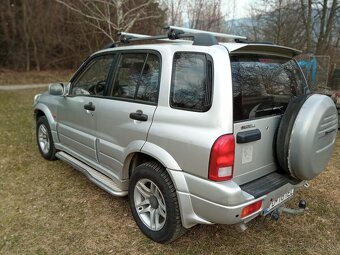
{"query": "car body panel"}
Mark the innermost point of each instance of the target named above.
(116, 130)
(256, 158)
(194, 132)
(76, 126)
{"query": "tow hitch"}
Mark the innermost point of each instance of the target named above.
(275, 215)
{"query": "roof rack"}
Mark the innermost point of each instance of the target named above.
(196, 31)
(125, 37)
(177, 34)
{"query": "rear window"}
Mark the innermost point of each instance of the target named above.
(263, 85)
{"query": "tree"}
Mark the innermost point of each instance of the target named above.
(112, 16)
(205, 15)
(309, 25)
(277, 21)
(327, 18)
(306, 15)
(174, 11)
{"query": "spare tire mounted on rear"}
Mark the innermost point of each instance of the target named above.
(306, 136)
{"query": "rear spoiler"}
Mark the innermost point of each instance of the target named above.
(263, 49)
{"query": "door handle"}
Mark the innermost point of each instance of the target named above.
(138, 115)
(248, 136)
(90, 106)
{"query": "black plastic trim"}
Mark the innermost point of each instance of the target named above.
(138, 116)
(266, 184)
(204, 40)
(248, 136)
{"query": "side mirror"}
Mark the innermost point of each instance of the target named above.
(56, 89)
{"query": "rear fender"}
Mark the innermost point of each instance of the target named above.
(188, 216)
(161, 155)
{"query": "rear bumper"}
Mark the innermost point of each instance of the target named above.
(221, 214)
(206, 202)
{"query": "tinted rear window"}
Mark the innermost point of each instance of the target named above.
(263, 85)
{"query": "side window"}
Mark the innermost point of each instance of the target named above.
(137, 77)
(92, 80)
(191, 84)
(149, 81)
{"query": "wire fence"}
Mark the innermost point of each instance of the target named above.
(316, 70)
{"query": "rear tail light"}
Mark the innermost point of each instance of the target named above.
(249, 209)
(222, 159)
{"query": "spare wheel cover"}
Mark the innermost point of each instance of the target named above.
(306, 136)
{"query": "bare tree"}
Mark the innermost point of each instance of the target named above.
(205, 15)
(277, 21)
(111, 16)
(327, 12)
(31, 23)
(319, 17)
(306, 15)
(174, 11)
(309, 25)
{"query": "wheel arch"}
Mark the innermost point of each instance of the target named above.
(188, 215)
(42, 110)
(149, 152)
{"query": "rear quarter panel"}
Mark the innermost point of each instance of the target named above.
(186, 135)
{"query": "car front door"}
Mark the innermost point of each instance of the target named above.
(77, 114)
(124, 118)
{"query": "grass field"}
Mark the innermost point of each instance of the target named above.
(8, 77)
(51, 208)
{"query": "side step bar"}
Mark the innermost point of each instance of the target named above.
(93, 175)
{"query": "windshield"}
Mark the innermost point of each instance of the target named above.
(263, 85)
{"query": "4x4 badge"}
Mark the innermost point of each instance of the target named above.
(248, 126)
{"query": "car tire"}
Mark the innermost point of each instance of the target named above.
(306, 136)
(44, 139)
(153, 202)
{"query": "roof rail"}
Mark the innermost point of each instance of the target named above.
(201, 39)
(125, 37)
(196, 31)
(177, 34)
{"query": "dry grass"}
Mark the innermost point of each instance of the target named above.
(50, 208)
(8, 77)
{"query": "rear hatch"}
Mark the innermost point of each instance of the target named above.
(263, 84)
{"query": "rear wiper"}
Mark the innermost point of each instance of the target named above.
(276, 108)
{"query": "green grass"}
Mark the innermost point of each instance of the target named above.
(51, 208)
(8, 77)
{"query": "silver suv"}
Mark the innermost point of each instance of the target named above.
(194, 131)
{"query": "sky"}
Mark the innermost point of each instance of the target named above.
(241, 9)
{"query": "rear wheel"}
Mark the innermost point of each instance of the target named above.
(153, 203)
(44, 139)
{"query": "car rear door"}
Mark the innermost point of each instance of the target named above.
(125, 116)
(262, 88)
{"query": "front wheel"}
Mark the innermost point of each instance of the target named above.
(44, 139)
(153, 203)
